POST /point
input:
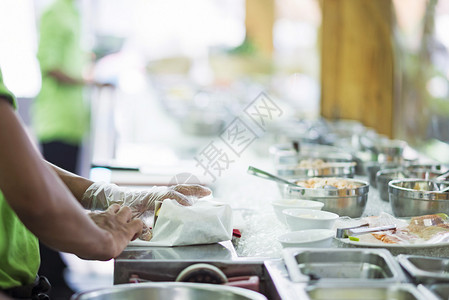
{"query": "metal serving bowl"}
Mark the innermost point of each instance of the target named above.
(383, 177)
(169, 290)
(373, 167)
(390, 150)
(425, 171)
(344, 166)
(415, 197)
(286, 154)
(349, 202)
(422, 171)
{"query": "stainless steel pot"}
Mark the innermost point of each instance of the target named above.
(169, 290)
(390, 150)
(349, 202)
(373, 167)
(421, 171)
(336, 165)
(416, 197)
(383, 177)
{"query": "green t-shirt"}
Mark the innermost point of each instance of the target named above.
(60, 111)
(19, 248)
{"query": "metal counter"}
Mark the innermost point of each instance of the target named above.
(257, 252)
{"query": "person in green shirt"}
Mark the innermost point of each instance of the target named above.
(39, 200)
(60, 114)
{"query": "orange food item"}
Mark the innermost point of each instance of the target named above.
(386, 238)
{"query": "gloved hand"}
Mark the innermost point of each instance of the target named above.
(101, 195)
(119, 222)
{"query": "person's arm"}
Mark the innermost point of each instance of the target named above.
(4, 297)
(101, 195)
(64, 78)
(76, 184)
(47, 208)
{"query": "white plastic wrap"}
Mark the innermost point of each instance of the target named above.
(205, 222)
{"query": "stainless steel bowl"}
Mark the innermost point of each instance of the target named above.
(415, 197)
(285, 154)
(383, 177)
(169, 290)
(373, 167)
(346, 170)
(349, 202)
(344, 166)
(390, 150)
(425, 171)
(421, 171)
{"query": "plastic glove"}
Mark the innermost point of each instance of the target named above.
(101, 195)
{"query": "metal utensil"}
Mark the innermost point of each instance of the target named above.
(361, 229)
(440, 178)
(265, 175)
(443, 176)
(343, 232)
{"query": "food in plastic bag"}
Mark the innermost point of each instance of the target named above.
(426, 229)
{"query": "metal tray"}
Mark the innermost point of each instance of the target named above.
(439, 291)
(342, 265)
(424, 269)
(164, 264)
(366, 292)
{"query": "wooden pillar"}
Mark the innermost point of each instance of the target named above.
(259, 22)
(357, 62)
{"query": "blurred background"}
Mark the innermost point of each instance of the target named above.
(175, 73)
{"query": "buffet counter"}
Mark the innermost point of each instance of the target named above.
(257, 253)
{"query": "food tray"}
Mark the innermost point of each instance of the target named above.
(365, 292)
(423, 269)
(342, 265)
(438, 291)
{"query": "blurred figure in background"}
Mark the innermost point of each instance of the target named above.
(60, 114)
